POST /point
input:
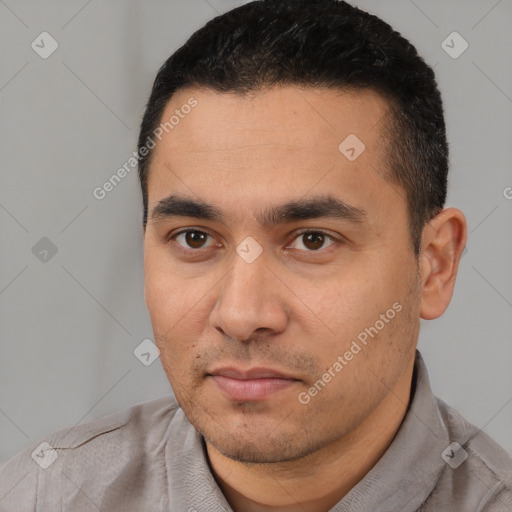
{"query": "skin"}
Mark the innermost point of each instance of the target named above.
(298, 305)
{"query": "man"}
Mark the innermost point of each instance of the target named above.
(293, 163)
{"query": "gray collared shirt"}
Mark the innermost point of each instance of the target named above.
(149, 458)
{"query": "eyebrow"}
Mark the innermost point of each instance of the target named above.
(316, 207)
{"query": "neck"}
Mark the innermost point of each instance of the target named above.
(320, 480)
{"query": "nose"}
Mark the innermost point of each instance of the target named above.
(251, 301)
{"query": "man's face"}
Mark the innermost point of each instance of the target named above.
(279, 344)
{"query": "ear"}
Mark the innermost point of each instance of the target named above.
(442, 244)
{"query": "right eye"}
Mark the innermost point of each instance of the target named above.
(191, 239)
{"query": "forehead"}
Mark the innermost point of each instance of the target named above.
(311, 118)
(272, 147)
(285, 126)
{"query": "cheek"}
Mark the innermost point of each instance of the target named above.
(179, 311)
(346, 299)
(161, 300)
(172, 318)
(353, 301)
(168, 295)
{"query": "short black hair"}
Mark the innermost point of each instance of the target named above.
(319, 43)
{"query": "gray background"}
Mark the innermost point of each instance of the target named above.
(68, 326)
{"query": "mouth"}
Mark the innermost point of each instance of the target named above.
(251, 385)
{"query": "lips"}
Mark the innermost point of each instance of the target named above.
(254, 373)
(251, 385)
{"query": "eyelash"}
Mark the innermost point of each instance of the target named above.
(297, 235)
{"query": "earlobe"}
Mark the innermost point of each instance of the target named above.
(443, 242)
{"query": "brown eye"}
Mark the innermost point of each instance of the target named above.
(312, 240)
(191, 239)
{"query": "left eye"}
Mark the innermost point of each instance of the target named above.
(313, 240)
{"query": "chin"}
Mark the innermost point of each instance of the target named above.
(259, 446)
